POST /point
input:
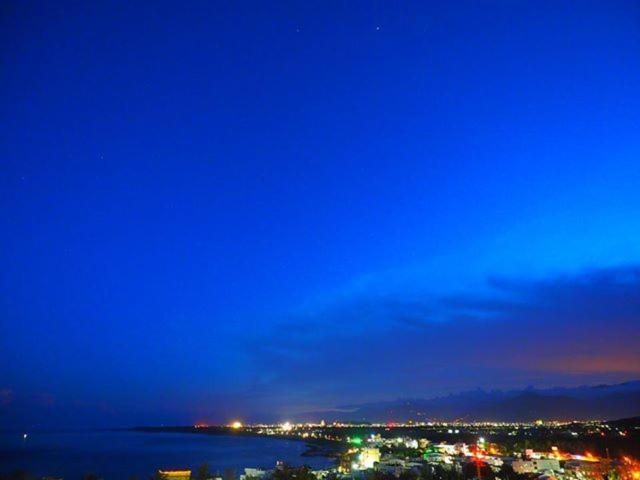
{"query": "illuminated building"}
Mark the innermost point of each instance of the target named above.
(175, 474)
(368, 457)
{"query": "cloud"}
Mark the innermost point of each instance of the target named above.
(511, 332)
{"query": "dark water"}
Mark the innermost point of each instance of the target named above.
(122, 455)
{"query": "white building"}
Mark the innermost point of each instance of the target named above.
(536, 465)
(250, 473)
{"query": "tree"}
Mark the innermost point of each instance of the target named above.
(229, 474)
(507, 473)
(426, 472)
(203, 472)
(379, 475)
(438, 472)
(408, 475)
(479, 470)
(17, 475)
(293, 473)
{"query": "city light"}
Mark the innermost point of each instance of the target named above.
(366, 447)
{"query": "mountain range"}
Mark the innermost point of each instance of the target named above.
(604, 402)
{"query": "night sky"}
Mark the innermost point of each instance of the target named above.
(218, 210)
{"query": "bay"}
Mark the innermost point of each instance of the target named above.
(121, 455)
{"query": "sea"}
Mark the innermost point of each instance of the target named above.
(124, 455)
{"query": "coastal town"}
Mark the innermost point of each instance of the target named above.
(539, 450)
(397, 451)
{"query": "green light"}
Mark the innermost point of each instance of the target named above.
(356, 441)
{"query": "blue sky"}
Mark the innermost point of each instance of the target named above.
(205, 208)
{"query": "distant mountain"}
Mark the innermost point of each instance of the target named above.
(626, 423)
(580, 403)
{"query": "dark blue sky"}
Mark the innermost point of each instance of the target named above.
(224, 209)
